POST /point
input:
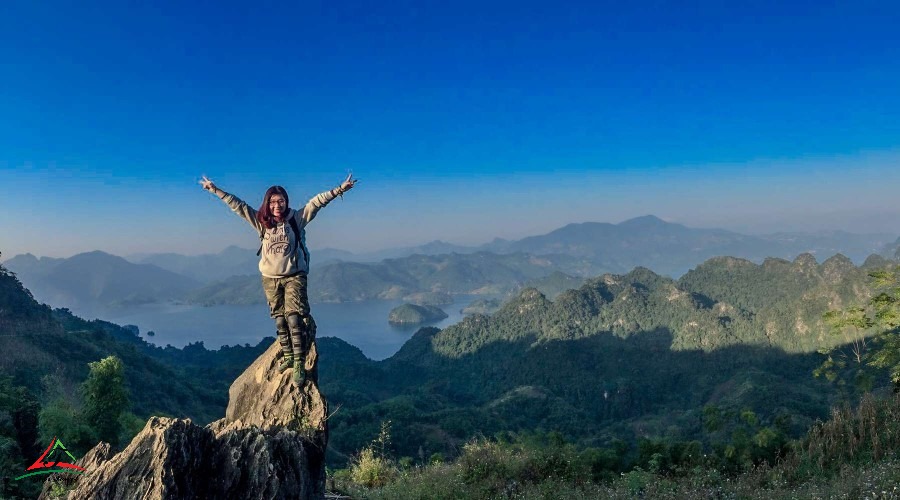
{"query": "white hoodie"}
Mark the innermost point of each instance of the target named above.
(274, 261)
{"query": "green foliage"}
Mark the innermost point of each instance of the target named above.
(637, 480)
(872, 334)
(105, 398)
(97, 412)
(130, 425)
(502, 469)
(61, 419)
(482, 306)
(870, 433)
(837, 459)
(853, 326)
(18, 417)
(551, 286)
(668, 456)
(712, 418)
(372, 468)
(192, 382)
(46, 360)
(58, 489)
(372, 471)
(621, 353)
(885, 308)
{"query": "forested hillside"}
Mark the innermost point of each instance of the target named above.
(46, 356)
(621, 358)
(735, 448)
(50, 350)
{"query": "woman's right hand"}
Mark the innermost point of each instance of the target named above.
(208, 184)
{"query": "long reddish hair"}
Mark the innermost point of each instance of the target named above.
(264, 215)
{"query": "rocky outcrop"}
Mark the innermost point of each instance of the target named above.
(271, 444)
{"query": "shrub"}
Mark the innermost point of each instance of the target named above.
(372, 471)
(871, 433)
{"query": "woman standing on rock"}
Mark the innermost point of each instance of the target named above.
(284, 264)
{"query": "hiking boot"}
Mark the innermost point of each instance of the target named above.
(299, 372)
(286, 362)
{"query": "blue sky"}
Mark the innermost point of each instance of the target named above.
(464, 120)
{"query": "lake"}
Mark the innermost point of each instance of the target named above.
(363, 324)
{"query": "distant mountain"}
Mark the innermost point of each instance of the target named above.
(592, 247)
(436, 247)
(673, 249)
(499, 267)
(577, 251)
(824, 244)
(480, 273)
(232, 261)
(651, 242)
(244, 289)
(725, 301)
(27, 266)
(204, 268)
(892, 250)
(92, 281)
(321, 256)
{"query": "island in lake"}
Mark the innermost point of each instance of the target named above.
(412, 314)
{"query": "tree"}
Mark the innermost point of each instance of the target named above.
(105, 398)
(853, 326)
(871, 333)
(886, 315)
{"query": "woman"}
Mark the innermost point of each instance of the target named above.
(284, 264)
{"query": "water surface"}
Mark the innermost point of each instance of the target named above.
(363, 324)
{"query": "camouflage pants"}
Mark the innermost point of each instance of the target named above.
(289, 305)
(286, 295)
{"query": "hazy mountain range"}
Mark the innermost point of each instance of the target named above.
(574, 252)
(89, 279)
(648, 241)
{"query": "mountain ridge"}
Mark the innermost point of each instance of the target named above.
(578, 250)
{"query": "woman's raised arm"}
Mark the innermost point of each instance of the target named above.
(236, 204)
(308, 212)
(211, 187)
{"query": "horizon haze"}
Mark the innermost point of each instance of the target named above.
(399, 249)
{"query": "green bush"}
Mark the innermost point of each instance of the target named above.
(372, 471)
